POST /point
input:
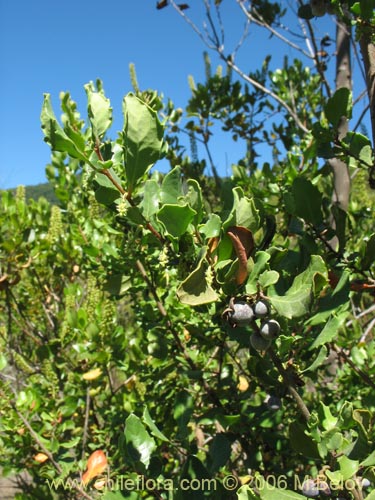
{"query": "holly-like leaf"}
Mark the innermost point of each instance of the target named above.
(196, 289)
(55, 135)
(143, 139)
(176, 218)
(99, 111)
(297, 300)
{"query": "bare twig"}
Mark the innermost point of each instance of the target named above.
(290, 386)
(86, 422)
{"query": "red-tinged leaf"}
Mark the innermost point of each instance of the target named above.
(162, 4)
(243, 244)
(96, 464)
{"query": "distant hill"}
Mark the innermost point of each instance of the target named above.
(45, 190)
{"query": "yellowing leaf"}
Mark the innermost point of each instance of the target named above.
(96, 464)
(40, 457)
(92, 374)
(243, 384)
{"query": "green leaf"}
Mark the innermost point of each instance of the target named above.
(246, 493)
(347, 467)
(151, 198)
(176, 218)
(307, 201)
(99, 111)
(106, 193)
(143, 139)
(327, 420)
(301, 442)
(271, 493)
(339, 105)
(330, 330)
(318, 360)
(297, 300)
(268, 278)
(193, 198)
(140, 444)
(195, 289)
(171, 187)
(212, 228)
(243, 213)
(259, 266)
(151, 425)
(219, 451)
(183, 410)
(3, 361)
(334, 302)
(55, 135)
(369, 461)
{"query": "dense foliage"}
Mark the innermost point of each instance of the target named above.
(128, 306)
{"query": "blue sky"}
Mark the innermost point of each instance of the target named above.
(59, 46)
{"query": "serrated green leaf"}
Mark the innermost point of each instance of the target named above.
(243, 213)
(171, 187)
(140, 445)
(347, 467)
(176, 218)
(212, 228)
(99, 111)
(143, 139)
(297, 300)
(54, 133)
(268, 278)
(195, 289)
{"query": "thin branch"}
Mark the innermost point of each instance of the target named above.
(290, 386)
(266, 91)
(46, 451)
(86, 422)
(359, 372)
(260, 21)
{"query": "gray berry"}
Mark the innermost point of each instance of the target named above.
(258, 342)
(310, 489)
(240, 314)
(269, 329)
(261, 309)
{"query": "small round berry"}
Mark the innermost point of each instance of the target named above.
(269, 329)
(240, 314)
(258, 342)
(310, 489)
(261, 309)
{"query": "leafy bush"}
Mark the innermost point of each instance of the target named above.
(127, 369)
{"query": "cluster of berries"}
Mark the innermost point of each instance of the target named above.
(242, 313)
